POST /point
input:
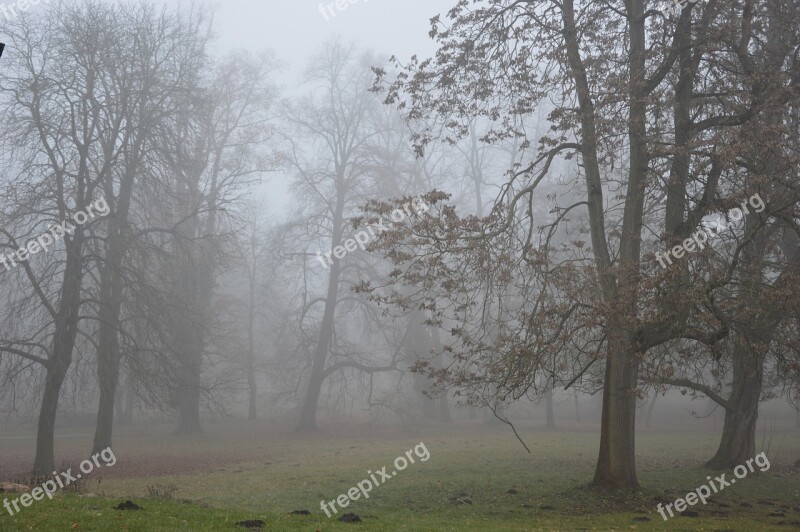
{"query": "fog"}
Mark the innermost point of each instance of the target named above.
(419, 265)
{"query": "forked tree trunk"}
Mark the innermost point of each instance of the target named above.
(741, 409)
(111, 293)
(616, 462)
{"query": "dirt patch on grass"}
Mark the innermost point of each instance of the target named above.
(253, 524)
(128, 505)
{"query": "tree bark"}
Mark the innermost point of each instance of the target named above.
(66, 330)
(111, 294)
(616, 464)
(108, 354)
(308, 415)
(189, 385)
(738, 442)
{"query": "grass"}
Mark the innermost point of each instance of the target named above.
(477, 478)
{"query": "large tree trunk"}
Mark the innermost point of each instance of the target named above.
(738, 442)
(108, 354)
(44, 463)
(111, 292)
(189, 385)
(66, 330)
(308, 416)
(616, 464)
(189, 350)
(741, 409)
(196, 287)
(108, 379)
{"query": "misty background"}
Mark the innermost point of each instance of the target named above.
(415, 221)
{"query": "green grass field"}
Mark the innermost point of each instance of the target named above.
(477, 478)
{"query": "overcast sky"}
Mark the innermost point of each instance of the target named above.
(295, 29)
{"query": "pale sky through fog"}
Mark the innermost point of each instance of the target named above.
(295, 29)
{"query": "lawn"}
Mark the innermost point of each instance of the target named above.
(478, 477)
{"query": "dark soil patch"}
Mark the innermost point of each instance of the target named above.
(300, 512)
(690, 513)
(512, 492)
(128, 505)
(350, 518)
(641, 519)
(253, 524)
